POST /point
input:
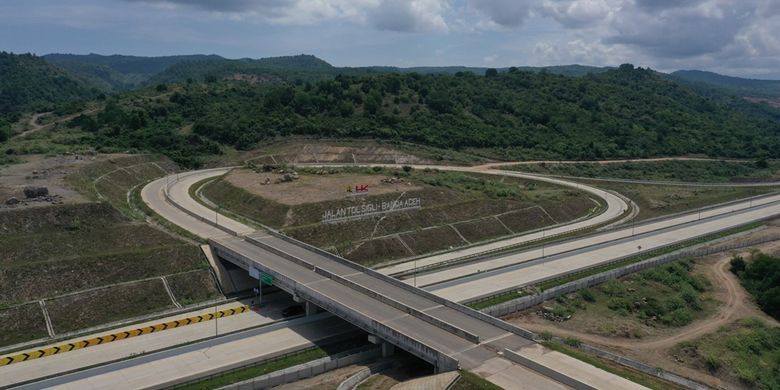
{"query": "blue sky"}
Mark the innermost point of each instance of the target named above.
(726, 36)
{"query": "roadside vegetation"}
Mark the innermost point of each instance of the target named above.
(635, 306)
(456, 208)
(712, 171)
(746, 353)
(760, 275)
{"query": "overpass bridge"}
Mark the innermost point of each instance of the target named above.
(444, 333)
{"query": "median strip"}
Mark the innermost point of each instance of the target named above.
(62, 348)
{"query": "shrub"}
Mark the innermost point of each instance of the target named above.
(587, 295)
(737, 264)
(712, 362)
(572, 341)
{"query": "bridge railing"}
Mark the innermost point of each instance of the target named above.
(426, 294)
(471, 337)
(440, 359)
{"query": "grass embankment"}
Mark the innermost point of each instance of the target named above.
(274, 365)
(68, 249)
(612, 367)
(22, 323)
(713, 171)
(746, 353)
(110, 180)
(456, 209)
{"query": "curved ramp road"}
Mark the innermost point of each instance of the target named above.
(690, 225)
(616, 206)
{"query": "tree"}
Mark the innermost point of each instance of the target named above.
(491, 72)
(5, 130)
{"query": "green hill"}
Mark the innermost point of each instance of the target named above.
(299, 67)
(750, 87)
(28, 83)
(119, 72)
(625, 112)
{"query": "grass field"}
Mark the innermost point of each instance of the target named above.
(471, 201)
(713, 171)
(745, 353)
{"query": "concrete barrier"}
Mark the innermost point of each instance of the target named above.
(354, 380)
(546, 371)
(306, 370)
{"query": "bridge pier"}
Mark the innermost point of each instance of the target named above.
(387, 348)
(311, 309)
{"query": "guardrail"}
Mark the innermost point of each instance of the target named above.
(528, 301)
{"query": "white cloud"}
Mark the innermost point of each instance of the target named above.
(415, 15)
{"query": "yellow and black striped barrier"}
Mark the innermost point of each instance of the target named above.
(62, 348)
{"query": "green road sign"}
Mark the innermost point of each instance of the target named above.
(266, 279)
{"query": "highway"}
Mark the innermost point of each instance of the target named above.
(510, 270)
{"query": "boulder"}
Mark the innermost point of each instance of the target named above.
(35, 192)
(12, 201)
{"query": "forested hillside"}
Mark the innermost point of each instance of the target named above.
(119, 72)
(28, 83)
(627, 112)
(737, 85)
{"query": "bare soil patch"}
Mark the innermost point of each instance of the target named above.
(306, 151)
(312, 188)
(41, 171)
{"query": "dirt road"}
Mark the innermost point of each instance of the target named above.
(736, 304)
(35, 126)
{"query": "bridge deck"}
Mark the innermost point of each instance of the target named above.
(364, 297)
